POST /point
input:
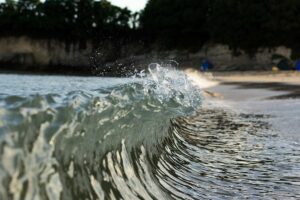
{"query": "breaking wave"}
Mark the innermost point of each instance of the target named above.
(145, 137)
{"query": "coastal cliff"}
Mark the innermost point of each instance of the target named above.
(42, 55)
(23, 53)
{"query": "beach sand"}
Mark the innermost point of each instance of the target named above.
(275, 96)
(283, 77)
(271, 97)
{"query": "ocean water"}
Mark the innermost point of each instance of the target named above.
(151, 136)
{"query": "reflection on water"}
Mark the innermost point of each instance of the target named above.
(218, 155)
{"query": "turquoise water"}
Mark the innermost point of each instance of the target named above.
(145, 137)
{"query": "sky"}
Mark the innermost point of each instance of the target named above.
(134, 5)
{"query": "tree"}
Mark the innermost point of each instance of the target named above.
(251, 24)
(176, 23)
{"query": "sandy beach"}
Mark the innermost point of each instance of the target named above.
(284, 77)
(273, 95)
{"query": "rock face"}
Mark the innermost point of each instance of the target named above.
(224, 58)
(27, 52)
(24, 51)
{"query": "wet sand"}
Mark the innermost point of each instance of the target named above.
(286, 77)
(275, 96)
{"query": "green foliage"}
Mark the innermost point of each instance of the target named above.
(187, 24)
(176, 23)
(253, 23)
(247, 24)
(63, 19)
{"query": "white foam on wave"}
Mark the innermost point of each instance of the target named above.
(202, 80)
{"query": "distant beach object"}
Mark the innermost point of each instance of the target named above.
(297, 65)
(275, 69)
(284, 64)
(206, 65)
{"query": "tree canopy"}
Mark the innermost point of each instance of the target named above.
(247, 24)
(176, 23)
(64, 19)
(167, 24)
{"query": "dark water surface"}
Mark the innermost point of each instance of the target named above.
(135, 138)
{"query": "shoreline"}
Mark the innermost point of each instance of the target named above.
(276, 96)
(284, 77)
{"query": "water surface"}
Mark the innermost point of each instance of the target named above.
(135, 138)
